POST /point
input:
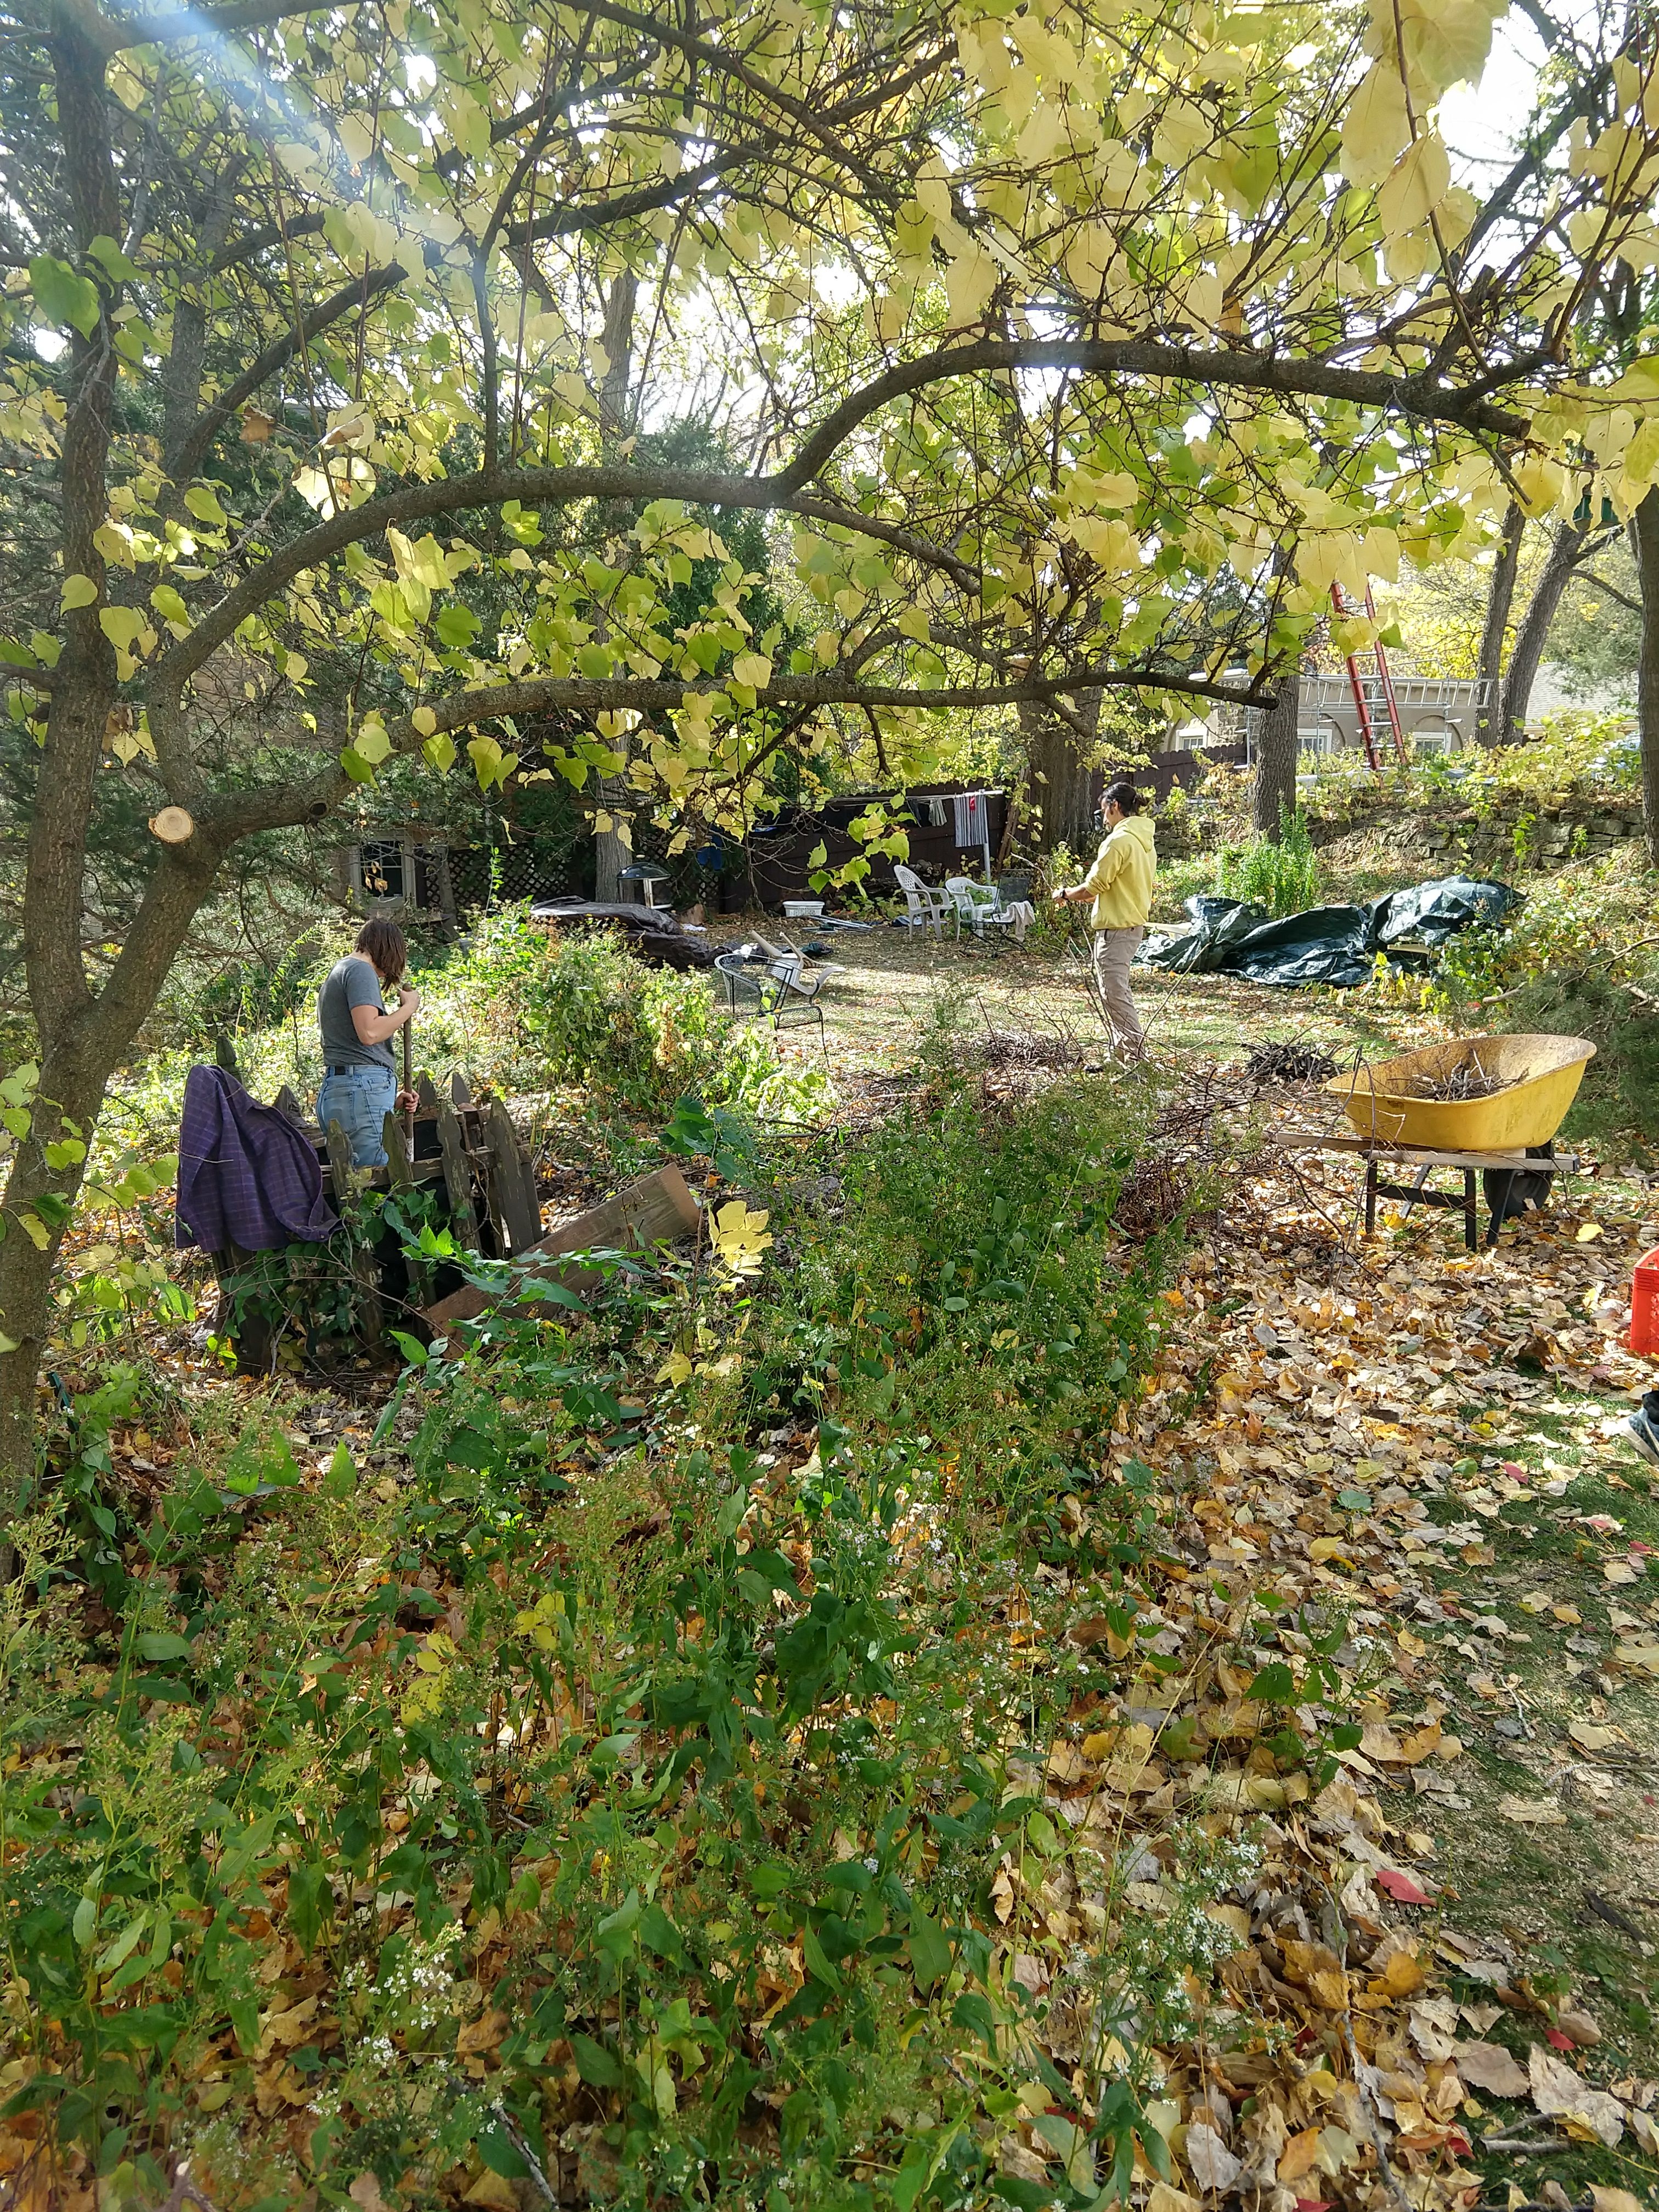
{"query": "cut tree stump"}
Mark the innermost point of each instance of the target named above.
(657, 1209)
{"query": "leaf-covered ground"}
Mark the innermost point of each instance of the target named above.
(985, 1697)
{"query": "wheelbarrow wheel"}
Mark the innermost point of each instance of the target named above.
(1508, 1191)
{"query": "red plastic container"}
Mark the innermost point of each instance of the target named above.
(1644, 1303)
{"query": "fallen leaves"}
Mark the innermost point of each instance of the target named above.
(1560, 2094)
(1531, 1812)
(1488, 2066)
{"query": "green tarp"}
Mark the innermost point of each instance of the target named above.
(1336, 945)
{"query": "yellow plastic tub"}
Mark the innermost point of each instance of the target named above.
(1541, 1076)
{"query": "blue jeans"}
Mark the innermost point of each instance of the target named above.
(360, 1100)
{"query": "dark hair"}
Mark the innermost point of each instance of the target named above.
(1122, 795)
(382, 942)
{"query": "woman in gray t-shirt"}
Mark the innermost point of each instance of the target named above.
(360, 1081)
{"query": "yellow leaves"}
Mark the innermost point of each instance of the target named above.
(541, 1622)
(1114, 546)
(1415, 186)
(1042, 136)
(490, 763)
(1331, 557)
(1531, 1812)
(984, 56)
(1315, 1968)
(740, 1237)
(970, 281)
(1400, 1975)
(432, 1663)
(481, 2035)
(1540, 484)
(1375, 129)
(78, 592)
(1442, 42)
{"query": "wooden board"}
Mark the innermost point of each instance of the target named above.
(511, 1184)
(463, 1220)
(657, 1209)
(1417, 1156)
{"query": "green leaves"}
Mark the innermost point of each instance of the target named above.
(63, 295)
(154, 1644)
(1274, 1685)
(598, 2067)
(929, 1949)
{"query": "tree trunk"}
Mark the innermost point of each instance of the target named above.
(1567, 550)
(79, 1058)
(1489, 724)
(1644, 540)
(1273, 797)
(612, 854)
(1061, 776)
(60, 998)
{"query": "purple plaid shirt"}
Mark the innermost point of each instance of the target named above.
(247, 1175)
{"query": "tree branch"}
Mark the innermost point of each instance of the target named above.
(1601, 583)
(194, 449)
(206, 24)
(783, 491)
(256, 241)
(1417, 396)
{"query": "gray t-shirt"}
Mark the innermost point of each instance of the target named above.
(350, 982)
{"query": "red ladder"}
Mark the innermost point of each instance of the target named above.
(1372, 686)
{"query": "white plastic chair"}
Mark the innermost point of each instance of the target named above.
(979, 905)
(932, 908)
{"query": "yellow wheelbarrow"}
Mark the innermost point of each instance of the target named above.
(1404, 1115)
(1529, 1082)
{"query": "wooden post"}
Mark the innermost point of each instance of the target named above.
(460, 1091)
(285, 1101)
(364, 1270)
(425, 1094)
(399, 1173)
(224, 1055)
(458, 1180)
(512, 1190)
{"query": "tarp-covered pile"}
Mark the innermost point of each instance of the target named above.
(1328, 943)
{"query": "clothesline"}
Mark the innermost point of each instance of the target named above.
(971, 819)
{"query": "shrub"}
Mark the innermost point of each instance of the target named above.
(1284, 877)
(648, 1036)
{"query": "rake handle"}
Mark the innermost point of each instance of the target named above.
(409, 1083)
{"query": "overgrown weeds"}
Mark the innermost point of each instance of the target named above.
(627, 1767)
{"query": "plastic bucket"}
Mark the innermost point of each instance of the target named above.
(1644, 1303)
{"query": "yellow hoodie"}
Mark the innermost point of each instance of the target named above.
(1124, 876)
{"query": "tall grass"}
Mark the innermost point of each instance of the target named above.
(1284, 877)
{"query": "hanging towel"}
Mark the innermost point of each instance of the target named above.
(973, 818)
(936, 813)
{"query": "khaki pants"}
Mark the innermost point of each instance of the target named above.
(1113, 949)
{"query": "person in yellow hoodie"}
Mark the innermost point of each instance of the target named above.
(1121, 885)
